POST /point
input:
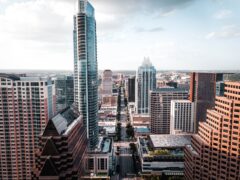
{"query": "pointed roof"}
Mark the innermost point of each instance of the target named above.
(50, 129)
(50, 149)
(146, 62)
(49, 168)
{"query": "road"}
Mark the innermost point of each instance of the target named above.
(125, 156)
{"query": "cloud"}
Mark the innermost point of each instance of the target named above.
(112, 14)
(223, 14)
(37, 21)
(154, 29)
(231, 31)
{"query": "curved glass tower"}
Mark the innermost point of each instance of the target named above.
(86, 69)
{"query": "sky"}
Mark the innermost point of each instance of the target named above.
(174, 34)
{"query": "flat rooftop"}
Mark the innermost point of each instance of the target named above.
(142, 129)
(169, 141)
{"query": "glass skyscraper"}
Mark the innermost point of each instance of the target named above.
(146, 81)
(86, 69)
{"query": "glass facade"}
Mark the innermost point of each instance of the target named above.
(86, 69)
(64, 92)
(146, 81)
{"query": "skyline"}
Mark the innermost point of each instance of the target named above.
(187, 34)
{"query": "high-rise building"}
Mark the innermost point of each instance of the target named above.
(145, 82)
(26, 104)
(215, 150)
(62, 147)
(131, 89)
(182, 112)
(86, 68)
(202, 93)
(107, 83)
(64, 92)
(160, 108)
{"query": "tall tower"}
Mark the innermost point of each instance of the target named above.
(86, 69)
(160, 108)
(146, 81)
(214, 152)
(202, 93)
(26, 104)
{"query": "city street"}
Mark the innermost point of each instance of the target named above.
(125, 156)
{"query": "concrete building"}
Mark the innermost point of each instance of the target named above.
(215, 150)
(202, 93)
(131, 89)
(26, 104)
(62, 147)
(100, 162)
(107, 83)
(182, 113)
(86, 68)
(140, 120)
(64, 92)
(160, 108)
(162, 155)
(145, 82)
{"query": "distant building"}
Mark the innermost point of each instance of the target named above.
(86, 68)
(162, 155)
(131, 89)
(62, 147)
(107, 83)
(140, 120)
(160, 108)
(26, 104)
(145, 82)
(220, 88)
(215, 150)
(202, 93)
(100, 162)
(64, 92)
(109, 100)
(182, 117)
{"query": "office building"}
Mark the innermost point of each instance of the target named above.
(26, 104)
(162, 155)
(107, 83)
(202, 93)
(215, 150)
(160, 108)
(145, 82)
(62, 147)
(64, 92)
(86, 68)
(182, 112)
(131, 89)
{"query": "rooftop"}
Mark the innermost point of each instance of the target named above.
(142, 129)
(104, 145)
(170, 141)
(62, 122)
(170, 89)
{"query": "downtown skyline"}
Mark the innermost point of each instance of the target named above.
(187, 34)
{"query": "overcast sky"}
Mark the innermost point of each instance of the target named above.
(175, 34)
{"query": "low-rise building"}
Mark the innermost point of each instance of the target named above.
(162, 154)
(100, 162)
(140, 120)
